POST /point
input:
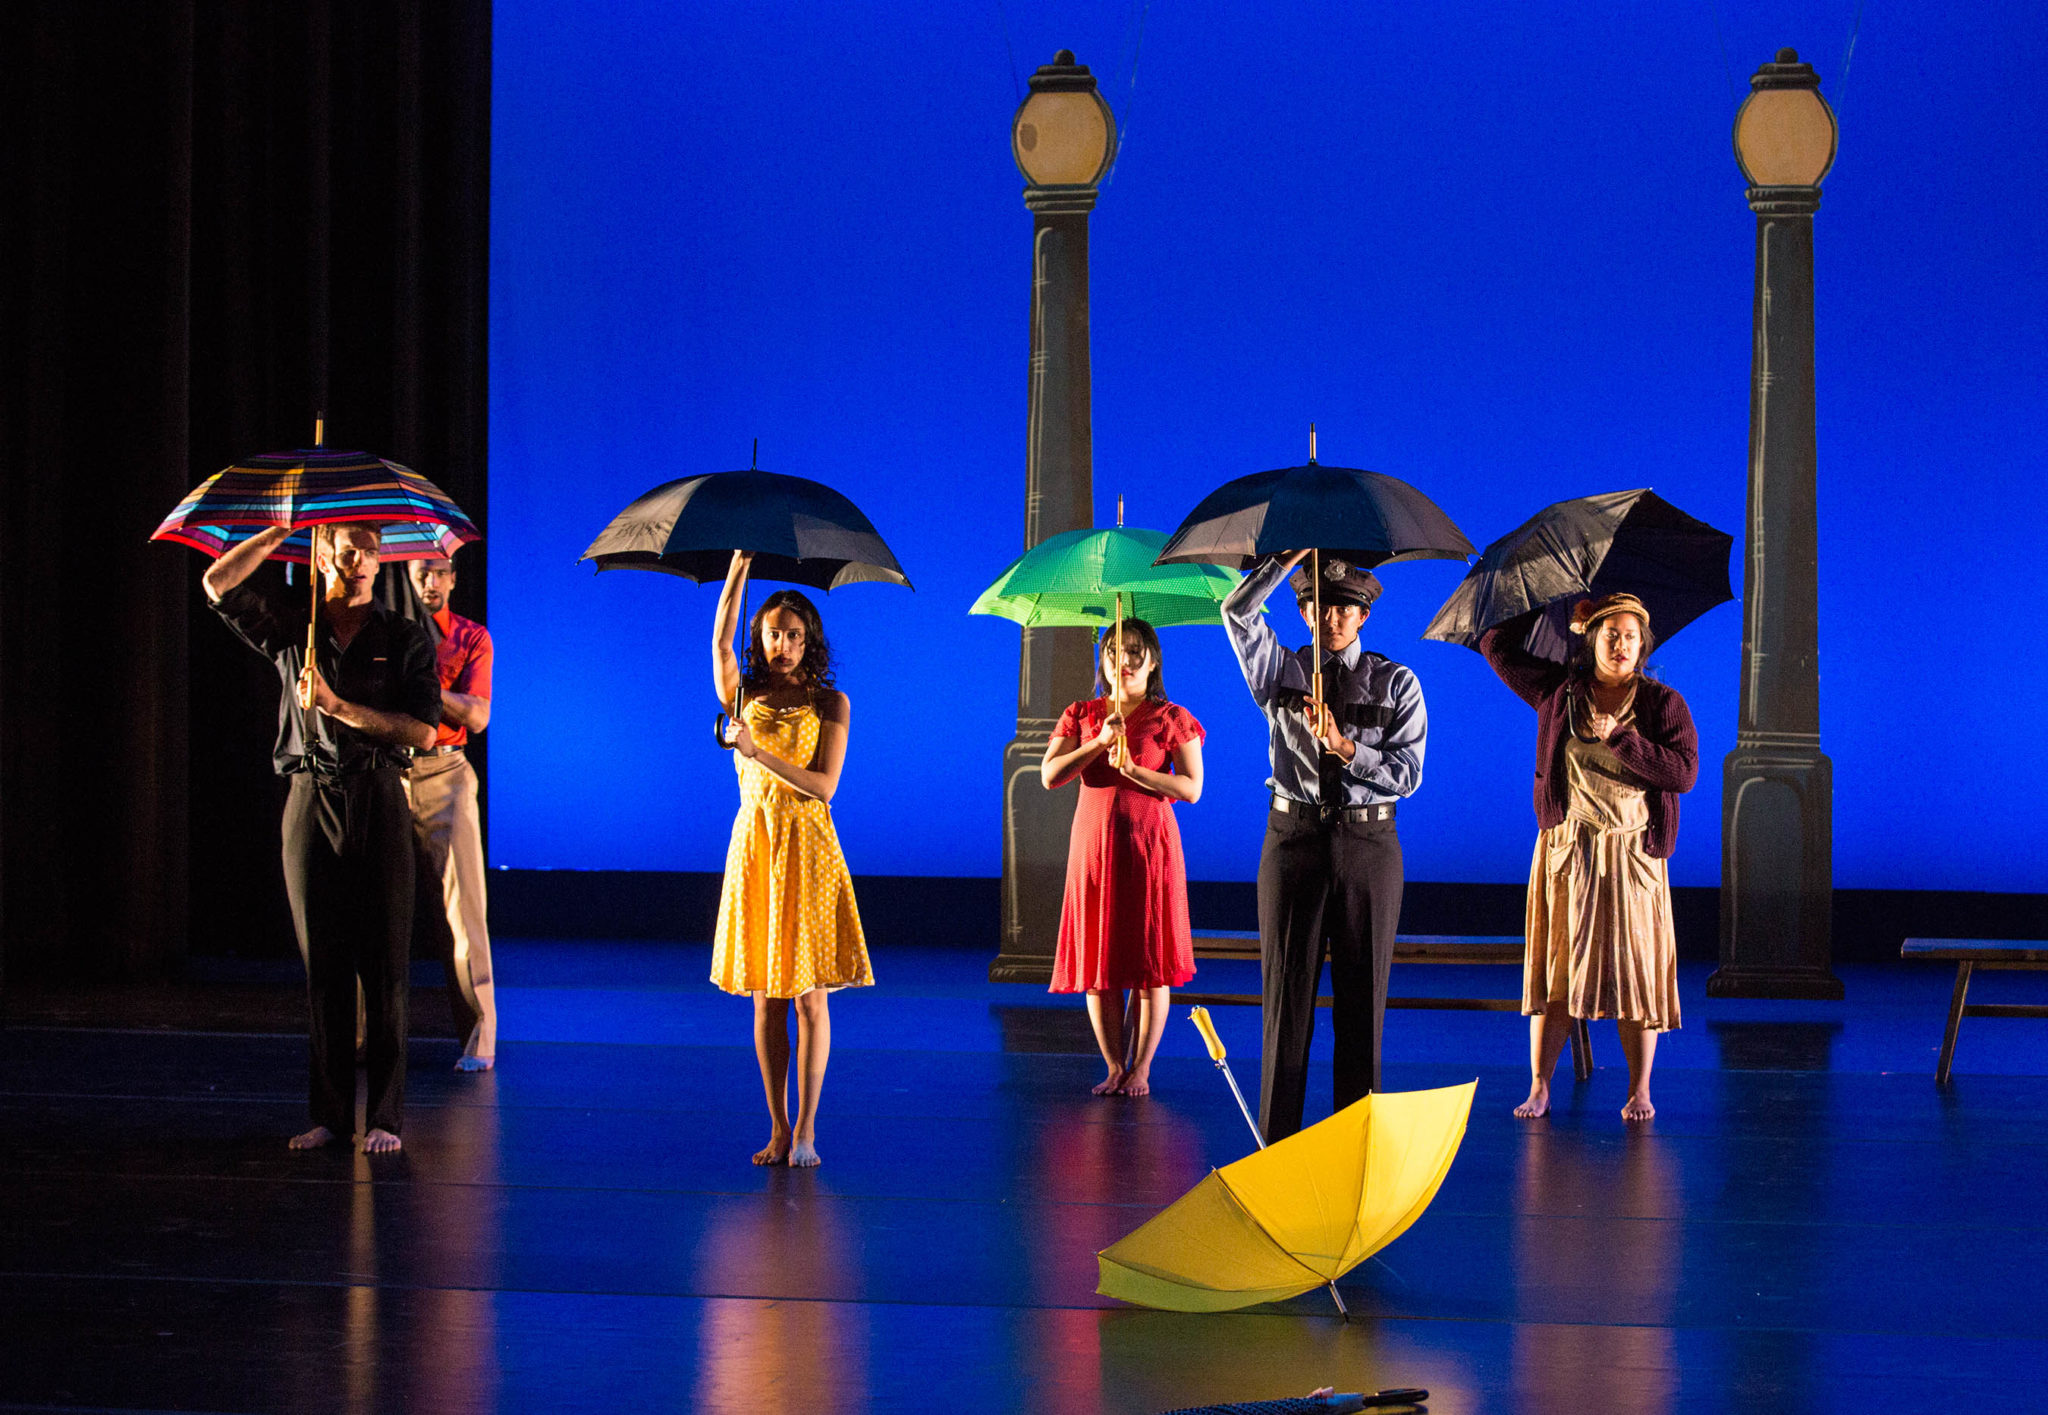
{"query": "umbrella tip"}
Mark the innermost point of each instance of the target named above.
(1119, 510)
(320, 429)
(757, 454)
(1311, 442)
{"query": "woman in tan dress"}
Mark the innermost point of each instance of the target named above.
(1614, 750)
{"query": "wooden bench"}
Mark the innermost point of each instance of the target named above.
(1408, 948)
(1968, 954)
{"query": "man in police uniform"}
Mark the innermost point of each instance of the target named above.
(1330, 871)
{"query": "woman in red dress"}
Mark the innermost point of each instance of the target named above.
(1124, 923)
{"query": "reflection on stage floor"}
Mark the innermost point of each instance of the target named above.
(1808, 1224)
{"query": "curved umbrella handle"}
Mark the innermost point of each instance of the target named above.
(721, 729)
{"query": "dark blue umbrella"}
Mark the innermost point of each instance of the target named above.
(798, 530)
(1633, 541)
(1367, 518)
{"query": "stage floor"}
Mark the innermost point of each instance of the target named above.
(1807, 1225)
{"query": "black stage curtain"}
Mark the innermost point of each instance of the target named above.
(219, 218)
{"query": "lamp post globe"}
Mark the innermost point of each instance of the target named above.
(1785, 131)
(1064, 135)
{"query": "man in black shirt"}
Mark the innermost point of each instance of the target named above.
(344, 728)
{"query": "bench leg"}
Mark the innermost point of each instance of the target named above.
(1955, 1022)
(1582, 1050)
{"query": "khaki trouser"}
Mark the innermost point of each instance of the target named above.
(442, 791)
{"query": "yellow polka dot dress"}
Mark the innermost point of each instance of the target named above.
(787, 921)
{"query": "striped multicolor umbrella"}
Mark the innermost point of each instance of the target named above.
(317, 486)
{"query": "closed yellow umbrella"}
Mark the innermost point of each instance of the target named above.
(1296, 1215)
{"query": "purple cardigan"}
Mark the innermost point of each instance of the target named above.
(1662, 750)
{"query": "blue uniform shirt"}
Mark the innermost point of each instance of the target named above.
(1378, 704)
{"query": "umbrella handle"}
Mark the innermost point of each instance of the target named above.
(1315, 582)
(313, 556)
(313, 610)
(1200, 1017)
(720, 727)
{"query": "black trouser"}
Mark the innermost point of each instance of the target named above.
(1340, 882)
(348, 868)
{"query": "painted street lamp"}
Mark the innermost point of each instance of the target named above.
(1777, 809)
(1064, 139)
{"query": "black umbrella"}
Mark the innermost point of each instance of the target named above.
(1632, 541)
(1367, 518)
(798, 530)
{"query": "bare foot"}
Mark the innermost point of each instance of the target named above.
(776, 1151)
(1638, 1107)
(803, 1155)
(381, 1142)
(313, 1139)
(1538, 1104)
(1108, 1085)
(475, 1063)
(1136, 1083)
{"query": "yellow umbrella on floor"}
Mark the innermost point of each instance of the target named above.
(1298, 1214)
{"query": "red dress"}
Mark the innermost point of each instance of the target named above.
(1124, 923)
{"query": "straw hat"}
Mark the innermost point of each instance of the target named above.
(1588, 612)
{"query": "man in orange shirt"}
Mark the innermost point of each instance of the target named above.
(442, 789)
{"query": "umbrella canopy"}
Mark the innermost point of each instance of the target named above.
(1367, 518)
(798, 530)
(1298, 1214)
(1590, 546)
(1073, 579)
(317, 486)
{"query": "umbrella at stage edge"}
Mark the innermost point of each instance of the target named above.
(318, 486)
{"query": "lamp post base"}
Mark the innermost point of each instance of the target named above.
(1036, 826)
(1777, 869)
(1791, 984)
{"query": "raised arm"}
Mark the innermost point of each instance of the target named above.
(1258, 649)
(1530, 678)
(241, 562)
(725, 662)
(820, 779)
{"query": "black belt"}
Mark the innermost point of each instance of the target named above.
(1350, 815)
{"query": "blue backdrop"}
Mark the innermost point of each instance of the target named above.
(1501, 252)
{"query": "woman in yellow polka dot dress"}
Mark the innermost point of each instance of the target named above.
(788, 929)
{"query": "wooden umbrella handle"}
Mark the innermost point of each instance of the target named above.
(312, 611)
(1315, 580)
(1117, 688)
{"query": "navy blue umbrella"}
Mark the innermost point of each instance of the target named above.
(1633, 541)
(798, 530)
(1367, 518)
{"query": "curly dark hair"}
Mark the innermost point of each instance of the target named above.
(814, 669)
(1155, 690)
